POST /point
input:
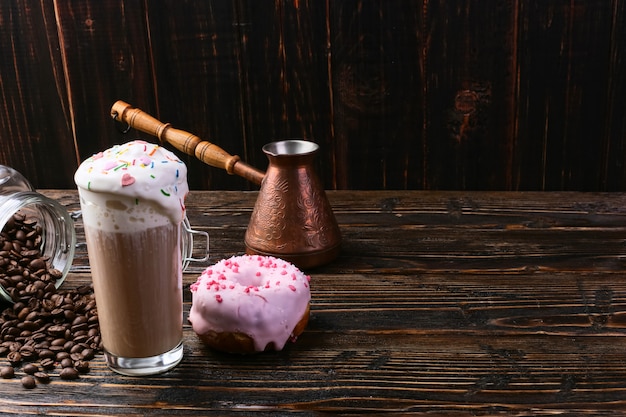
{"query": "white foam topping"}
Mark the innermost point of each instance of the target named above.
(143, 182)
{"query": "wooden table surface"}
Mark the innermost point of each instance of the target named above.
(464, 303)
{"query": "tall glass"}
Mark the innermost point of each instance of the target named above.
(132, 202)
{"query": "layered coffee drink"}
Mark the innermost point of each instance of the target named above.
(132, 201)
(139, 310)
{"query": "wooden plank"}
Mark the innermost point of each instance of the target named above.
(563, 72)
(198, 78)
(522, 95)
(285, 84)
(470, 59)
(105, 59)
(614, 174)
(377, 93)
(36, 136)
(430, 309)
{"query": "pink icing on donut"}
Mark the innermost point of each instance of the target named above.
(251, 300)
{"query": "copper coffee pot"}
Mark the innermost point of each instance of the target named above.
(292, 218)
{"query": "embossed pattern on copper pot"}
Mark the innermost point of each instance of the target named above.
(292, 218)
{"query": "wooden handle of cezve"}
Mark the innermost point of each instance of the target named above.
(185, 142)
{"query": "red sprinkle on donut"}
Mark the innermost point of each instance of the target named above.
(292, 288)
(218, 298)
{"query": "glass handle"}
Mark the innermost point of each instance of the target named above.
(188, 246)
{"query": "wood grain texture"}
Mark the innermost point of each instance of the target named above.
(442, 303)
(35, 114)
(445, 95)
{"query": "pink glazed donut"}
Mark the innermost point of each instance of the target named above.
(250, 303)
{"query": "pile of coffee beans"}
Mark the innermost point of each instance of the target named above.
(45, 330)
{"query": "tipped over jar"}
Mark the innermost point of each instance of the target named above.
(37, 239)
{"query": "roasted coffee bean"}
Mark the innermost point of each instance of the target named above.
(58, 342)
(79, 320)
(13, 331)
(67, 363)
(21, 316)
(82, 366)
(37, 263)
(77, 348)
(88, 354)
(30, 369)
(25, 334)
(69, 315)
(7, 372)
(28, 353)
(28, 382)
(14, 357)
(83, 327)
(13, 346)
(42, 377)
(97, 343)
(46, 354)
(30, 325)
(40, 337)
(47, 363)
(69, 373)
(56, 331)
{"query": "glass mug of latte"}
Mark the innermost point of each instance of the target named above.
(132, 202)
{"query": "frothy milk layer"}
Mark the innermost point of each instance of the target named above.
(132, 187)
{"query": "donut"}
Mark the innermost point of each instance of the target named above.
(250, 303)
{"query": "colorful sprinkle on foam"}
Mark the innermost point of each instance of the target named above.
(127, 180)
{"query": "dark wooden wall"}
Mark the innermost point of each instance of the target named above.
(400, 94)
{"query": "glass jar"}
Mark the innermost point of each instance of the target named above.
(34, 229)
